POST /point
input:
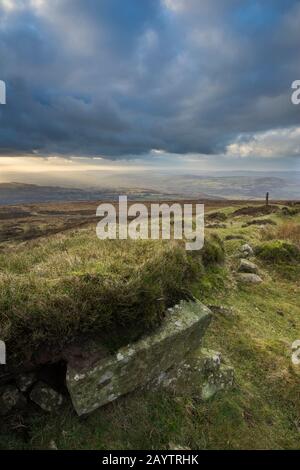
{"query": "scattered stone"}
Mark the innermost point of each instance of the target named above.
(141, 362)
(247, 250)
(249, 278)
(247, 267)
(45, 397)
(221, 310)
(10, 399)
(25, 381)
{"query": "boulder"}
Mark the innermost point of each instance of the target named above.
(139, 363)
(203, 371)
(247, 267)
(247, 250)
(249, 278)
(46, 397)
(10, 398)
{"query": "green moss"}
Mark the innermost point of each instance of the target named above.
(278, 251)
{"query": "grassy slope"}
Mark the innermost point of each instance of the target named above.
(261, 412)
(55, 289)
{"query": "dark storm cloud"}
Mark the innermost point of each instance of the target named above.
(118, 78)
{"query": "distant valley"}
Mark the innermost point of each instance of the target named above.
(162, 186)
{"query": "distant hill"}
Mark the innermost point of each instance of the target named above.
(247, 186)
(231, 186)
(22, 193)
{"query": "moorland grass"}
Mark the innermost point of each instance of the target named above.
(278, 251)
(261, 412)
(58, 289)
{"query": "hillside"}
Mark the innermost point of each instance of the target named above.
(254, 326)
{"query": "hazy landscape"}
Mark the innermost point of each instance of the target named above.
(218, 185)
(168, 330)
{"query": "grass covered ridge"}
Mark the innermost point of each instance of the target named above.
(57, 289)
(261, 412)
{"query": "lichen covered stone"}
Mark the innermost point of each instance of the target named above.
(247, 267)
(249, 278)
(203, 372)
(139, 363)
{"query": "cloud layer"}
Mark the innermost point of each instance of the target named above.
(119, 79)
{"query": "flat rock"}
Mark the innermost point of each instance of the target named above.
(249, 278)
(247, 267)
(10, 398)
(46, 397)
(139, 363)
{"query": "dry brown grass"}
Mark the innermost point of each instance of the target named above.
(288, 231)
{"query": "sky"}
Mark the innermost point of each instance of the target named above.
(124, 86)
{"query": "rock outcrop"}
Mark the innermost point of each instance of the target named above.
(246, 250)
(45, 397)
(247, 267)
(248, 278)
(139, 363)
(203, 370)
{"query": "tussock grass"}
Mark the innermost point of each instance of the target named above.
(261, 412)
(286, 231)
(57, 289)
(278, 251)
